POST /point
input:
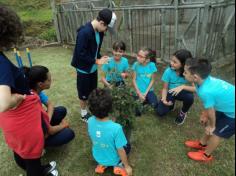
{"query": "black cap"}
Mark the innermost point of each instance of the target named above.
(105, 15)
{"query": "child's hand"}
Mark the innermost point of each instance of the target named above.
(167, 103)
(102, 60)
(17, 99)
(128, 170)
(209, 130)
(141, 97)
(64, 124)
(124, 75)
(176, 91)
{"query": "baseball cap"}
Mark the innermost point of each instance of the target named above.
(109, 18)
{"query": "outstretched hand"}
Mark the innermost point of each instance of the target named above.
(102, 60)
(176, 91)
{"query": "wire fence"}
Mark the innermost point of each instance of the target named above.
(206, 29)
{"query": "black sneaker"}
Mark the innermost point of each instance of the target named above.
(86, 117)
(49, 168)
(181, 118)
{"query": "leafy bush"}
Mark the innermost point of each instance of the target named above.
(49, 35)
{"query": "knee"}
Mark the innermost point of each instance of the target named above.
(189, 99)
(62, 110)
(70, 134)
(160, 112)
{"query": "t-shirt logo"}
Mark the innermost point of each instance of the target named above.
(98, 134)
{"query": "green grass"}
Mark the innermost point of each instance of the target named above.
(36, 15)
(157, 144)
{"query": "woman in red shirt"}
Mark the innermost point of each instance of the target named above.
(20, 112)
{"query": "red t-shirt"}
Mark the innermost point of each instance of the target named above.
(22, 128)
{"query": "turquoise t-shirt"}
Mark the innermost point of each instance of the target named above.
(169, 76)
(106, 138)
(114, 69)
(43, 98)
(94, 67)
(144, 75)
(217, 94)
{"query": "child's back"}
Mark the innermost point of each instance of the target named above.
(107, 137)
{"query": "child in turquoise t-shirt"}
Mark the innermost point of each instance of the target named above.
(174, 87)
(144, 76)
(218, 98)
(110, 147)
(116, 70)
(57, 133)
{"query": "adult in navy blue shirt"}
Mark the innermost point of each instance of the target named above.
(87, 55)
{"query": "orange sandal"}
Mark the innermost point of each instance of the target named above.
(100, 169)
(119, 171)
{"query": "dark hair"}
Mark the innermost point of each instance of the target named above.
(151, 54)
(119, 45)
(36, 74)
(11, 29)
(182, 55)
(201, 67)
(100, 102)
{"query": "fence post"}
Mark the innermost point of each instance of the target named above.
(131, 32)
(55, 20)
(163, 33)
(202, 42)
(176, 23)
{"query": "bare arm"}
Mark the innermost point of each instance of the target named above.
(124, 160)
(150, 85)
(104, 81)
(8, 100)
(212, 121)
(55, 129)
(164, 92)
(134, 83)
(50, 109)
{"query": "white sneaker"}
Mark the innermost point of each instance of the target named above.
(53, 164)
(54, 173)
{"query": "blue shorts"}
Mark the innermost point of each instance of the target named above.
(225, 126)
(86, 83)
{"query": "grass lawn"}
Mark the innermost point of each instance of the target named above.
(157, 144)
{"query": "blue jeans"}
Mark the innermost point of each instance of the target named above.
(151, 99)
(186, 97)
(65, 135)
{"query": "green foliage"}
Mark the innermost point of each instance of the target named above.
(36, 16)
(49, 35)
(123, 106)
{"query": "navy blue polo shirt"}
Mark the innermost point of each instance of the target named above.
(12, 76)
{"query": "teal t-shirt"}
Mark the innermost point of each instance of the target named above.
(217, 94)
(94, 67)
(43, 98)
(169, 76)
(106, 138)
(144, 75)
(114, 69)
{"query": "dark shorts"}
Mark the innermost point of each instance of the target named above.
(225, 126)
(86, 83)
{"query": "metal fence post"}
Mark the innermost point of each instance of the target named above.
(55, 20)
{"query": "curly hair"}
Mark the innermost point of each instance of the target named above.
(100, 102)
(11, 29)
